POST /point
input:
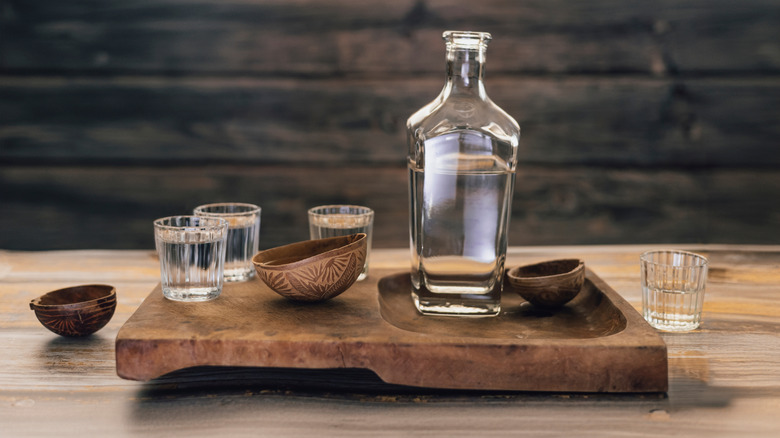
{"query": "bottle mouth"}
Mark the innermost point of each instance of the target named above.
(466, 39)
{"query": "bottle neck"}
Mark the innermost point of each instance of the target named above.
(465, 71)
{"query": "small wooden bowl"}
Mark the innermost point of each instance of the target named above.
(76, 311)
(313, 270)
(548, 284)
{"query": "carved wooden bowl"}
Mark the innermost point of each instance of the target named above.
(312, 270)
(548, 284)
(76, 311)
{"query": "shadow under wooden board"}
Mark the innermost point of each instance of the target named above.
(596, 343)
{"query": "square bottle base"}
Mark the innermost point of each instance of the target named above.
(456, 305)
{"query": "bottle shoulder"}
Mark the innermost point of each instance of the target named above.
(418, 117)
(457, 113)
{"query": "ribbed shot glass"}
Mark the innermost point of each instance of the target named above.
(673, 284)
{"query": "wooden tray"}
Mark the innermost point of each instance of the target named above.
(597, 343)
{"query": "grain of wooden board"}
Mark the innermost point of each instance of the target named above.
(597, 343)
(722, 377)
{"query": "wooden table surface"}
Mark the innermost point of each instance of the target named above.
(724, 379)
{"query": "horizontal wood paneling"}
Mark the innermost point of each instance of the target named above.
(345, 36)
(72, 207)
(568, 121)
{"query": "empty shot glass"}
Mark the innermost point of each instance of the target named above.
(243, 236)
(673, 284)
(342, 220)
(192, 256)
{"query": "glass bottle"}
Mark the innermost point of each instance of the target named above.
(462, 161)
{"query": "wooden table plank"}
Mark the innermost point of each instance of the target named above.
(723, 377)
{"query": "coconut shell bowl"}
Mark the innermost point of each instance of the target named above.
(76, 311)
(549, 284)
(312, 270)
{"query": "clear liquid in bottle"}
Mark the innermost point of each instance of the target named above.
(463, 205)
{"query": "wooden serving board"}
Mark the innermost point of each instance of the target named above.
(596, 343)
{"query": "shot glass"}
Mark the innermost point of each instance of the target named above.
(192, 256)
(242, 238)
(673, 284)
(342, 220)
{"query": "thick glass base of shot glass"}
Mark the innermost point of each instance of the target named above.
(675, 323)
(460, 303)
(233, 275)
(364, 272)
(191, 294)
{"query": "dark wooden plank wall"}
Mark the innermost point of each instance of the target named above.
(644, 121)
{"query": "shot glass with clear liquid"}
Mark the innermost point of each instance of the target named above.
(342, 220)
(673, 285)
(192, 256)
(243, 236)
